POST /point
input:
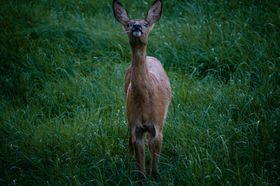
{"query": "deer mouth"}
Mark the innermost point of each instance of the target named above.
(137, 33)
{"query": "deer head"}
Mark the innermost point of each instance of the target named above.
(138, 30)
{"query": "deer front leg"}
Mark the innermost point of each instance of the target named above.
(131, 140)
(155, 141)
(137, 141)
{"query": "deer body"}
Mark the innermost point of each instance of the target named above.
(147, 88)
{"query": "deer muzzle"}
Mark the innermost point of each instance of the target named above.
(137, 30)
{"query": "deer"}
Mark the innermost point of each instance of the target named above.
(147, 89)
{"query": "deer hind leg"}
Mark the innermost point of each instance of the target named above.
(155, 141)
(136, 143)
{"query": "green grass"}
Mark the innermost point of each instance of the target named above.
(62, 103)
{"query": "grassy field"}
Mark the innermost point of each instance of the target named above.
(62, 103)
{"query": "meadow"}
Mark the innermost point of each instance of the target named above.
(62, 102)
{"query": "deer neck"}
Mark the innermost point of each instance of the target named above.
(139, 76)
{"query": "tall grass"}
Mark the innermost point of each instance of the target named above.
(62, 100)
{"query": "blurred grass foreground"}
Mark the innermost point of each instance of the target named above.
(62, 108)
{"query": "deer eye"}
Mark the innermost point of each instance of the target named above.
(129, 25)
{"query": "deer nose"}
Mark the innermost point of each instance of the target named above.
(136, 27)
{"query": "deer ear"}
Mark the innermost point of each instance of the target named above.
(119, 12)
(154, 12)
